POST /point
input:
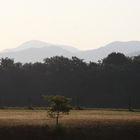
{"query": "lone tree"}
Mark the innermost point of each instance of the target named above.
(58, 105)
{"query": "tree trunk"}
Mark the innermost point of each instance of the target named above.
(57, 117)
(130, 104)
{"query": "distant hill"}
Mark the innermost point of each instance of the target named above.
(100, 53)
(36, 54)
(134, 54)
(40, 44)
(34, 50)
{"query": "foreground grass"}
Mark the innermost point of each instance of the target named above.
(84, 125)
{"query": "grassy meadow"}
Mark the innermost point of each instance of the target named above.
(79, 124)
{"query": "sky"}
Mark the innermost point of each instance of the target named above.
(85, 24)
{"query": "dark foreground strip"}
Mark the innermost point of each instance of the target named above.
(77, 133)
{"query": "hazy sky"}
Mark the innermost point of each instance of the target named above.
(85, 24)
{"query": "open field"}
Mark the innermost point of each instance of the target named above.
(10, 117)
(81, 124)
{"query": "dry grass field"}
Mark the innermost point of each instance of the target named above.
(10, 117)
(90, 124)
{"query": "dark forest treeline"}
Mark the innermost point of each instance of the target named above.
(112, 82)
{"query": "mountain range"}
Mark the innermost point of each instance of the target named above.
(36, 51)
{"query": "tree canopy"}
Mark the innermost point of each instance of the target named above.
(58, 105)
(116, 59)
(108, 83)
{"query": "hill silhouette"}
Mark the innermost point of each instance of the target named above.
(33, 51)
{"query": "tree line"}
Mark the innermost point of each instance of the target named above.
(111, 82)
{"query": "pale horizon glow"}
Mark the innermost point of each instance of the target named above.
(85, 24)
